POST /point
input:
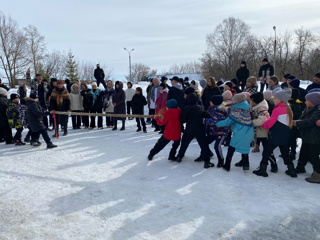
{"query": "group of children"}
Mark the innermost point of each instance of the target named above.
(247, 116)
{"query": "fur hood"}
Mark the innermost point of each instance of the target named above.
(261, 106)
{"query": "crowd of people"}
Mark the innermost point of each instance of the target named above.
(232, 113)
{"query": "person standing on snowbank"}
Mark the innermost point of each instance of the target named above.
(242, 74)
(99, 76)
(35, 121)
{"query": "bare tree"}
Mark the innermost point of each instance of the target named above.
(53, 65)
(86, 69)
(36, 47)
(140, 70)
(12, 49)
(189, 67)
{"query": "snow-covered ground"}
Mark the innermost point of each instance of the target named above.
(98, 184)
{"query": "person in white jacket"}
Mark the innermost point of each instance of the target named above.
(76, 105)
(129, 95)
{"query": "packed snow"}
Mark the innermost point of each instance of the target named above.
(98, 184)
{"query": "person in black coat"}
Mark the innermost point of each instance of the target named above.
(86, 105)
(53, 84)
(3, 86)
(35, 121)
(176, 91)
(99, 76)
(265, 72)
(5, 130)
(192, 115)
(68, 85)
(22, 91)
(210, 90)
(138, 102)
(95, 99)
(60, 101)
(119, 103)
(242, 74)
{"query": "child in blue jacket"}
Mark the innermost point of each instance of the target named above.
(242, 130)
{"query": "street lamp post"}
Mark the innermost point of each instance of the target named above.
(274, 50)
(129, 61)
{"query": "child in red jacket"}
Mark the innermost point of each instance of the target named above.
(172, 132)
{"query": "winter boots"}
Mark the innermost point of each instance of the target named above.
(199, 159)
(51, 145)
(300, 168)
(291, 170)
(19, 142)
(315, 178)
(208, 164)
(261, 171)
(139, 129)
(226, 166)
(256, 149)
(244, 162)
(220, 163)
(150, 157)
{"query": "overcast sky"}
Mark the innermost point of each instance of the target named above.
(161, 32)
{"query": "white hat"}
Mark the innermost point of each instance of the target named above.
(93, 84)
(3, 91)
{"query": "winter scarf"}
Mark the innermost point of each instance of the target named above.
(95, 94)
(60, 94)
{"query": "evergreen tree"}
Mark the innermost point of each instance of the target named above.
(71, 70)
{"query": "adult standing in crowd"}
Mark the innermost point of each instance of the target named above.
(53, 85)
(95, 97)
(176, 91)
(148, 90)
(164, 80)
(68, 85)
(85, 104)
(119, 103)
(316, 82)
(76, 105)
(242, 75)
(60, 101)
(209, 90)
(43, 98)
(153, 97)
(34, 83)
(99, 76)
(265, 72)
(3, 86)
(108, 103)
(5, 130)
(22, 91)
(130, 92)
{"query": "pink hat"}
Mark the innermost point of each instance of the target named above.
(247, 95)
(227, 95)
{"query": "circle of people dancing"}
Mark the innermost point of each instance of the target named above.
(233, 113)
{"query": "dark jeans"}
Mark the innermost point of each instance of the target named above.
(44, 133)
(18, 134)
(85, 119)
(102, 82)
(293, 140)
(143, 123)
(217, 145)
(6, 133)
(93, 118)
(202, 141)
(45, 121)
(109, 120)
(262, 86)
(310, 152)
(153, 112)
(129, 107)
(76, 120)
(161, 143)
(149, 119)
(268, 150)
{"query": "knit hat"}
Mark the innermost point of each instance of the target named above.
(267, 95)
(163, 85)
(216, 100)
(238, 98)
(181, 80)
(195, 84)
(14, 96)
(33, 95)
(175, 78)
(53, 80)
(219, 83)
(252, 80)
(3, 91)
(295, 94)
(291, 77)
(314, 98)
(172, 103)
(295, 83)
(163, 78)
(283, 94)
(229, 84)
(317, 75)
(314, 90)
(93, 84)
(203, 83)
(247, 95)
(189, 90)
(286, 75)
(244, 62)
(234, 81)
(257, 97)
(265, 60)
(227, 95)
